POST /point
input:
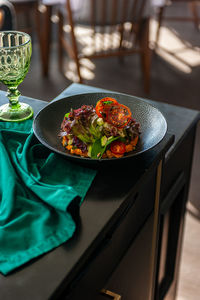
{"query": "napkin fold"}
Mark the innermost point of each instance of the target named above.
(36, 188)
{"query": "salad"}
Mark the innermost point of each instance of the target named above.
(105, 131)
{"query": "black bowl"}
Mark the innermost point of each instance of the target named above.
(47, 122)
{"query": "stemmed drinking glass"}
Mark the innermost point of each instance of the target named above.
(15, 56)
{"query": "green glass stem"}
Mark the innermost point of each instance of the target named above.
(13, 96)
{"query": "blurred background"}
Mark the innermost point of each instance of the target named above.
(174, 79)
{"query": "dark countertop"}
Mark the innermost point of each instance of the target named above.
(105, 201)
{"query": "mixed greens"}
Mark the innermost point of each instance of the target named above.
(102, 131)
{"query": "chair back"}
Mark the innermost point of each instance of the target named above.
(115, 25)
(107, 12)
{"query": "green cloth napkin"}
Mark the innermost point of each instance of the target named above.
(36, 188)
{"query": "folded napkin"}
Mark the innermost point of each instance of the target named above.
(36, 189)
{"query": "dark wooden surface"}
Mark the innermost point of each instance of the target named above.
(103, 205)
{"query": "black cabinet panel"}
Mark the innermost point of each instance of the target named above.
(174, 194)
(96, 272)
(132, 277)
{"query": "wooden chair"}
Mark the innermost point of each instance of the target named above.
(7, 16)
(193, 6)
(1, 18)
(117, 28)
(25, 13)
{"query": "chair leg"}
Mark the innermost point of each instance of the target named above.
(145, 55)
(73, 39)
(193, 8)
(78, 68)
(60, 38)
(160, 18)
(43, 28)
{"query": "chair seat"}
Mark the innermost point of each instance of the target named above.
(81, 11)
(18, 2)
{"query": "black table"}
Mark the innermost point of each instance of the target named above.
(130, 235)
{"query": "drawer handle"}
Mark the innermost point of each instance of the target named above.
(111, 294)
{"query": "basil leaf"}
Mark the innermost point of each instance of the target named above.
(96, 151)
(97, 148)
(67, 115)
(108, 102)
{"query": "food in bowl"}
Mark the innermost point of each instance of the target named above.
(105, 131)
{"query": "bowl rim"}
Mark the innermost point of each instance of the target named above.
(88, 159)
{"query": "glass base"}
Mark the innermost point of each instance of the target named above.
(19, 114)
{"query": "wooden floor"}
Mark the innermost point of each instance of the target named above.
(189, 282)
(175, 79)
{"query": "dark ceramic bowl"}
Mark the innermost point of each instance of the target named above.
(47, 123)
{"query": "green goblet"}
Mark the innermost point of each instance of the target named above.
(15, 57)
